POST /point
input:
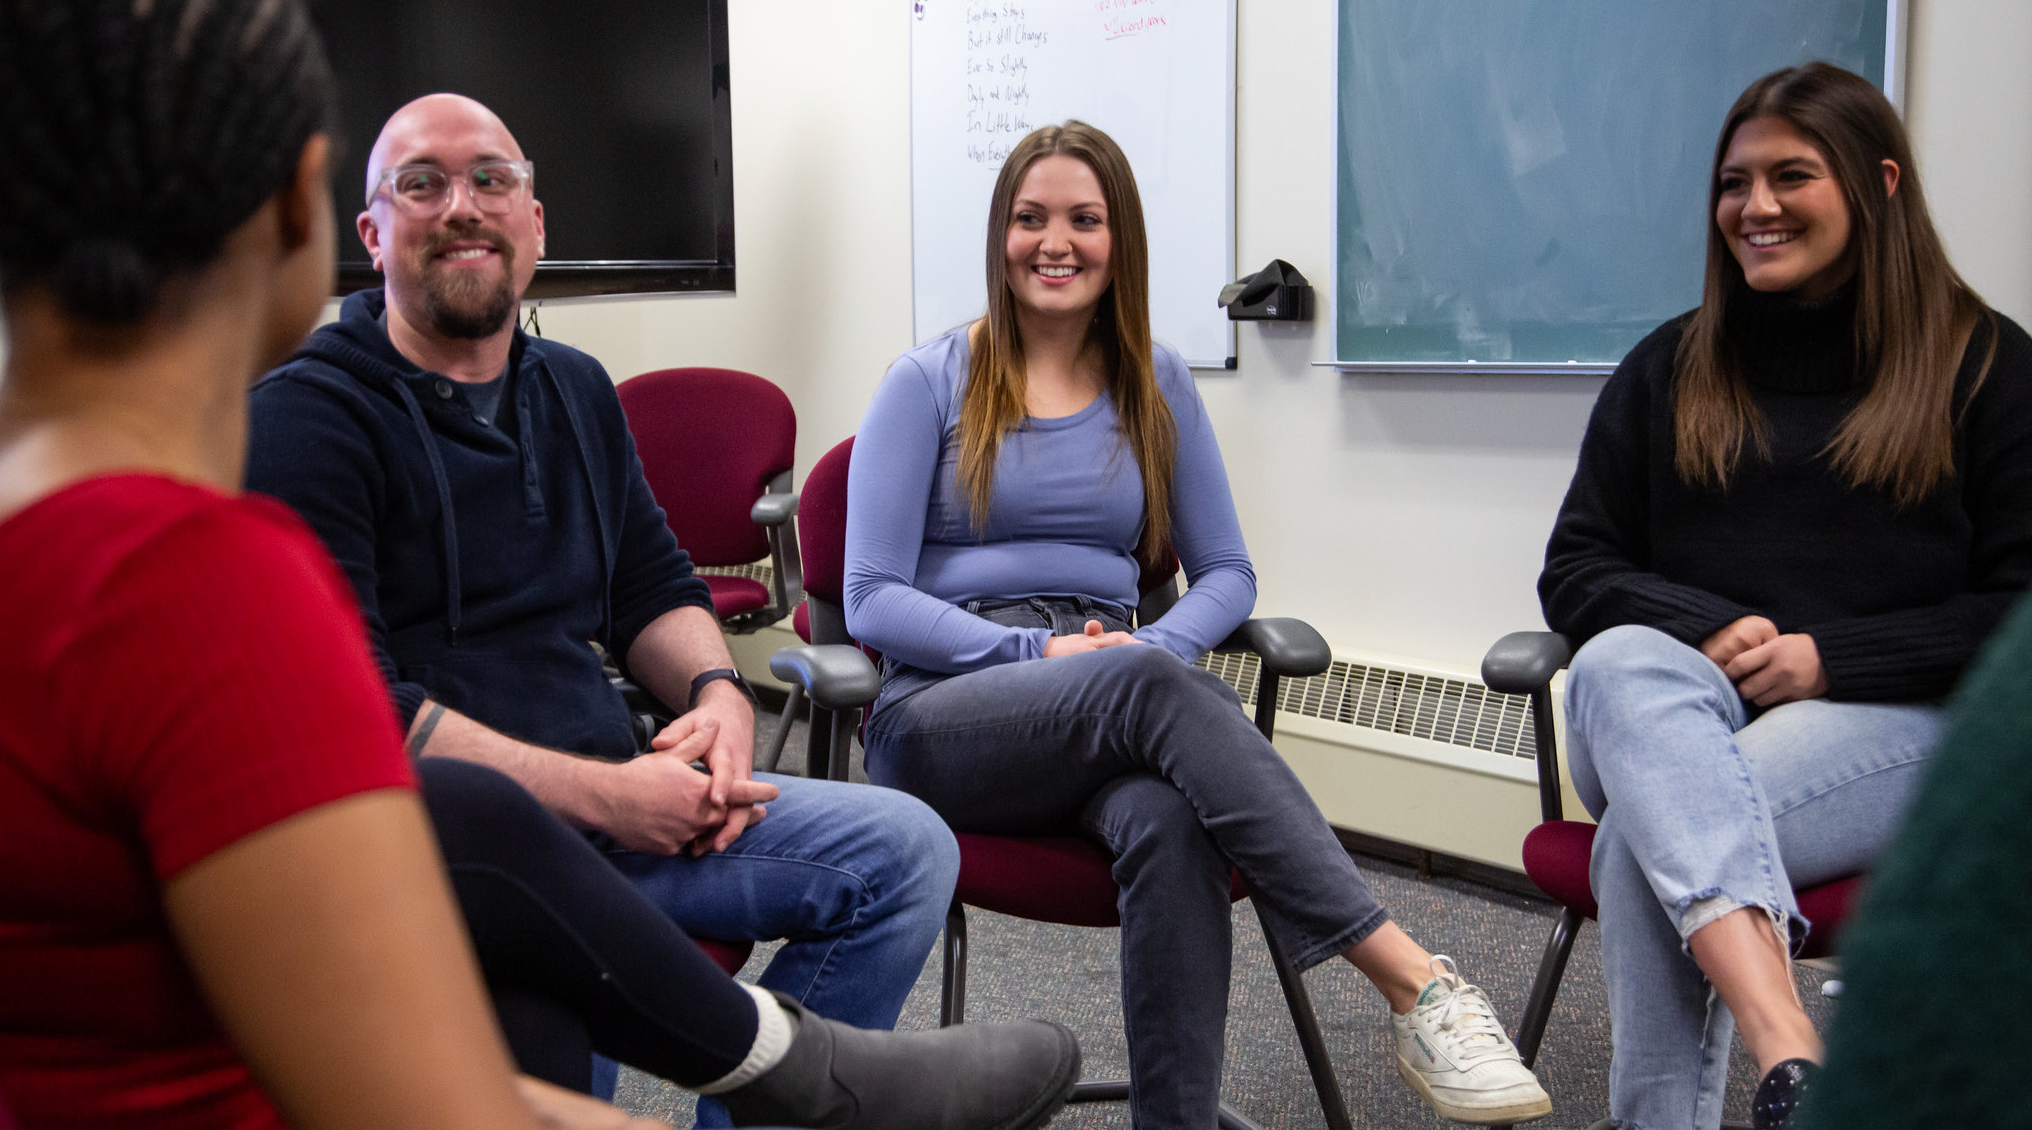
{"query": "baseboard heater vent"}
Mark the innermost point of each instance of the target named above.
(1455, 712)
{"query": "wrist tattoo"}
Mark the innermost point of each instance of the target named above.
(424, 729)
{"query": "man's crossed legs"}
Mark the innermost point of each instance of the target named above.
(856, 879)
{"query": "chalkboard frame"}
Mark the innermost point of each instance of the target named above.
(1893, 74)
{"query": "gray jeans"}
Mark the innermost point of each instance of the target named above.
(1154, 758)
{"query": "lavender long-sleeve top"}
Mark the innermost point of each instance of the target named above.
(1066, 516)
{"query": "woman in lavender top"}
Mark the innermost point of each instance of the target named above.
(1011, 480)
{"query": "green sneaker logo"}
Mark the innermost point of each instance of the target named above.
(1429, 1056)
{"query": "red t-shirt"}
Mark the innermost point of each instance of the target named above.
(178, 669)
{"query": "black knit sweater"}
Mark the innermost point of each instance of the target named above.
(1897, 601)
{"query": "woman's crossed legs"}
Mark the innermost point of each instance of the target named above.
(1155, 758)
(1708, 820)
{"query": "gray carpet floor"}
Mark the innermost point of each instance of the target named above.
(1070, 974)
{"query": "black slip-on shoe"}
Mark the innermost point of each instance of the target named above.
(1779, 1093)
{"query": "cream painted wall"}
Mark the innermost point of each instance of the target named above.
(1969, 109)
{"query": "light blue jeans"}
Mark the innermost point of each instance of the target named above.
(1705, 809)
(855, 878)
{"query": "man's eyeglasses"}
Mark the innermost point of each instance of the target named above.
(425, 190)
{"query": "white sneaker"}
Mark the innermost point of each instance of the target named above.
(1452, 1051)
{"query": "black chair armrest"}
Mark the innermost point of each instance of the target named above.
(773, 509)
(1522, 662)
(835, 676)
(1287, 646)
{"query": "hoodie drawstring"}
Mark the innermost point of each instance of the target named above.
(571, 416)
(444, 502)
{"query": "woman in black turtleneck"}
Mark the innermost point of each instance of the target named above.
(1798, 511)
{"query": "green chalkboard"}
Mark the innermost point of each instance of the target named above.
(1525, 181)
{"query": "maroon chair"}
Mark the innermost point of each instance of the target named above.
(730, 956)
(716, 447)
(1065, 879)
(1556, 852)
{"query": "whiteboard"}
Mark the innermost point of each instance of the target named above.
(1523, 183)
(1157, 75)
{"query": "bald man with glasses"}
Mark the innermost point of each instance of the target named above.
(480, 489)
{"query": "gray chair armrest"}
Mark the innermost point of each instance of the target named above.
(836, 676)
(1522, 662)
(1287, 646)
(773, 509)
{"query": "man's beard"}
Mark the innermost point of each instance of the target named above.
(462, 304)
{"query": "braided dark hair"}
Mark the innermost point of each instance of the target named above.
(136, 134)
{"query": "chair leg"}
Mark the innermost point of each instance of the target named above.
(1117, 1090)
(819, 743)
(1099, 1091)
(774, 753)
(952, 1002)
(839, 754)
(1545, 987)
(1310, 1039)
(1231, 1119)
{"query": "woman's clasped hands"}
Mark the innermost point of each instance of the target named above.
(1093, 637)
(1768, 668)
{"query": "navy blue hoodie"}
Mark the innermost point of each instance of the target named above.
(487, 554)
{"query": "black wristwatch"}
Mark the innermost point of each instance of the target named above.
(728, 673)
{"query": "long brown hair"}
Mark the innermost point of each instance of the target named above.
(993, 403)
(1914, 314)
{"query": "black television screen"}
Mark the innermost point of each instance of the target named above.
(622, 105)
